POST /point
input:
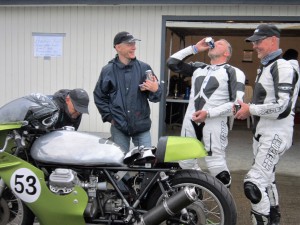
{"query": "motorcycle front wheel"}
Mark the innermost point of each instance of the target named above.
(215, 205)
(13, 211)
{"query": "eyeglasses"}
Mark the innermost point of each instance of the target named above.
(259, 41)
(129, 43)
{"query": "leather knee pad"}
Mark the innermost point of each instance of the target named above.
(225, 178)
(252, 192)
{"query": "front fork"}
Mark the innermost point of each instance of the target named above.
(2, 187)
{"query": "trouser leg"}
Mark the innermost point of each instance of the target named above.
(215, 138)
(274, 204)
(120, 138)
(143, 138)
(188, 130)
(259, 183)
(214, 135)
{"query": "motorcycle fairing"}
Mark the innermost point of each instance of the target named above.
(10, 126)
(76, 148)
(174, 148)
(49, 208)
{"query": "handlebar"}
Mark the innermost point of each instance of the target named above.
(18, 140)
(8, 137)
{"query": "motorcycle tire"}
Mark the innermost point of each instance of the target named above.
(215, 205)
(13, 211)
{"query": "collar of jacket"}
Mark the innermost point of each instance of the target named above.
(120, 64)
(273, 56)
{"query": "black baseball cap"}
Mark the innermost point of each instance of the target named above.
(264, 31)
(124, 37)
(80, 100)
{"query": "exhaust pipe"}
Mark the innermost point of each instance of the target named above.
(169, 207)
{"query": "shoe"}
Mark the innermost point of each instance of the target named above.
(275, 215)
(259, 219)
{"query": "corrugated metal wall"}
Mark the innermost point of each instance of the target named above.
(87, 45)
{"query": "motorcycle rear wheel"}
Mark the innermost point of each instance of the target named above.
(215, 205)
(13, 211)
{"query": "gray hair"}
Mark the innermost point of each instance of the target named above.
(229, 48)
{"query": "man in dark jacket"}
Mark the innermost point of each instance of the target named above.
(72, 104)
(122, 93)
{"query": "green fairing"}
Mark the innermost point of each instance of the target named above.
(181, 148)
(50, 208)
(9, 126)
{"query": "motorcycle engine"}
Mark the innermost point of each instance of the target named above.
(63, 181)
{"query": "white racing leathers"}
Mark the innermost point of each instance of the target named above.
(214, 88)
(274, 97)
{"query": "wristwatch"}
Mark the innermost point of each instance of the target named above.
(207, 114)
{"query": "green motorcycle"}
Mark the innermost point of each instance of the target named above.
(75, 178)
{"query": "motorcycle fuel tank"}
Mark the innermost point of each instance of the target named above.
(76, 148)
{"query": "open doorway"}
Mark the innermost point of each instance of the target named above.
(179, 32)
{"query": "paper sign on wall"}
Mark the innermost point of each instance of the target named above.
(48, 45)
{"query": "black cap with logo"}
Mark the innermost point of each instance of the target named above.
(124, 37)
(264, 31)
(80, 100)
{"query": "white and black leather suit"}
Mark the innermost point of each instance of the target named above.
(214, 88)
(275, 93)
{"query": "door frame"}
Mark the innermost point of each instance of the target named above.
(239, 19)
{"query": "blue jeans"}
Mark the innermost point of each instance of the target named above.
(123, 140)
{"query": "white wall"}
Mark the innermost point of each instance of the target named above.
(87, 45)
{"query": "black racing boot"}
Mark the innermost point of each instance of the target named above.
(225, 178)
(259, 219)
(275, 215)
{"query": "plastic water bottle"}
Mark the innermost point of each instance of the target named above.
(187, 94)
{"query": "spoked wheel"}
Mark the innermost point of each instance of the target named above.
(4, 212)
(215, 205)
(13, 211)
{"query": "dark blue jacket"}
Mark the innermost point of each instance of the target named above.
(118, 97)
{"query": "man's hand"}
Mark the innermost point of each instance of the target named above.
(112, 122)
(199, 116)
(149, 85)
(202, 46)
(244, 111)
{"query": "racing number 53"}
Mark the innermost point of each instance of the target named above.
(26, 185)
(19, 186)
